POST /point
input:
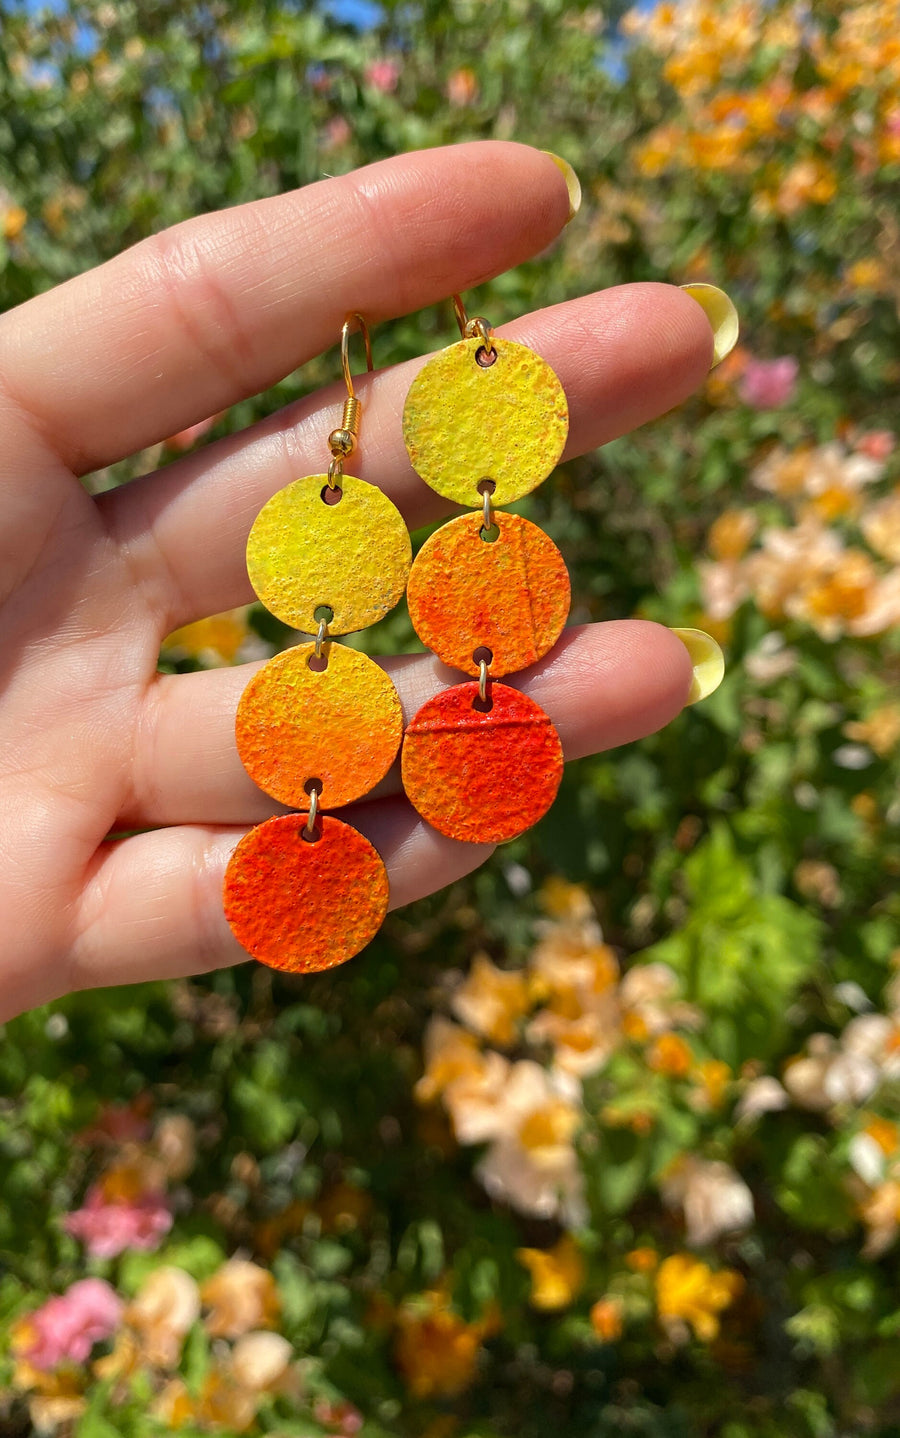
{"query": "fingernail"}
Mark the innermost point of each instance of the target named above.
(722, 315)
(573, 184)
(707, 659)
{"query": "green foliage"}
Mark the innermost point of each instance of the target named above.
(736, 846)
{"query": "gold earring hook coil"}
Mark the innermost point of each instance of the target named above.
(343, 441)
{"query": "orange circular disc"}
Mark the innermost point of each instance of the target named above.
(341, 725)
(301, 906)
(481, 775)
(509, 595)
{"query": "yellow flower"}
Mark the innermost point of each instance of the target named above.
(714, 1077)
(214, 640)
(53, 1398)
(881, 526)
(240, 1296)
(881, 731)
(557, 1274)
(688, 1291)
(13, 221)
(563, 900)
(606, 1319)
(435, 1349)
(731, 533)
(491, 1001)
(868, 274)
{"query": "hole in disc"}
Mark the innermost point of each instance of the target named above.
(317, 663)
(482, 653)
(332, 496)
(485, 705)
(312, 786)
(485, 358)
(490, 536)
(325, 612)
(485, 486)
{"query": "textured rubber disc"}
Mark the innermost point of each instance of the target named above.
(510, 595)
(506, 421)
(341, 725)
(305, 554)
(481, 776)
(302, 906)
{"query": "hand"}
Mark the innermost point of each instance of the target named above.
(92, 741)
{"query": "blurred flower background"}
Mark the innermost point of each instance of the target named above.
(606, 1139)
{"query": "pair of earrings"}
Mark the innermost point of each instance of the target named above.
(485, 422)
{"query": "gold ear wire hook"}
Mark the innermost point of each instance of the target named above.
(475, 328)
(343, 441)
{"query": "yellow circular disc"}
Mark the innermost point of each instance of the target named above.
(341, 725)
(352, 558)
(506, 421)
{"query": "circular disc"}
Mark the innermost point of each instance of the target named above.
(483, 777)
(352, 557)
(507, 421)
(341, 725)
(510, 595)
(302, 906)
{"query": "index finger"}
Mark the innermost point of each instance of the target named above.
(224, 305)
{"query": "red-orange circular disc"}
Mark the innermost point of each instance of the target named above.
(481, 776)
(341, 725)
(510, 595)
(301, 906)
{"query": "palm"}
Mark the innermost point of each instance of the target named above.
(94, 743)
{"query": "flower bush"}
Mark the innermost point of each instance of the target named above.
(605, 1139)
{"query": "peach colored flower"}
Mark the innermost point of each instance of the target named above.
(240, 1296)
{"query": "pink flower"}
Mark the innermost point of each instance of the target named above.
(107, 1229)
(383, 75)
(877, 444)
(67, 1327)
(337, 133)
(768, 384)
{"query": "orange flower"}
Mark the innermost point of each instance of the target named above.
(606, 1319)
(436, 1350)
(240, 1296)
(669, 1054)
(642, 1260)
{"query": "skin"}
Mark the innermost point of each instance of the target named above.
(92, 741)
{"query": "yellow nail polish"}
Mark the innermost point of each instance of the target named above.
(707, 659)
(722, 315)
(573, 184)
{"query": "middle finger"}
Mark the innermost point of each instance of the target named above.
(624, 356)
(602, 685)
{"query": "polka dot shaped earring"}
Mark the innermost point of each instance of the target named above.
(485, 422)
(320, 724)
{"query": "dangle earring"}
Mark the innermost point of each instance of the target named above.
(320, 724)
(485, 422)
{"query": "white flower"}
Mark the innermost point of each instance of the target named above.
(714, 1198)
(867, 1158)
(762, 1095)
(532, 1163)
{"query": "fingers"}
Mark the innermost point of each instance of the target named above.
(153, 907)
(221, 306)
(624, 356)
(602, 685)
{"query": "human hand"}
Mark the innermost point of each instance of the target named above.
(93, 741)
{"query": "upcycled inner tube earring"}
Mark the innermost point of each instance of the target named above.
(485, 422)
(320, 724)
